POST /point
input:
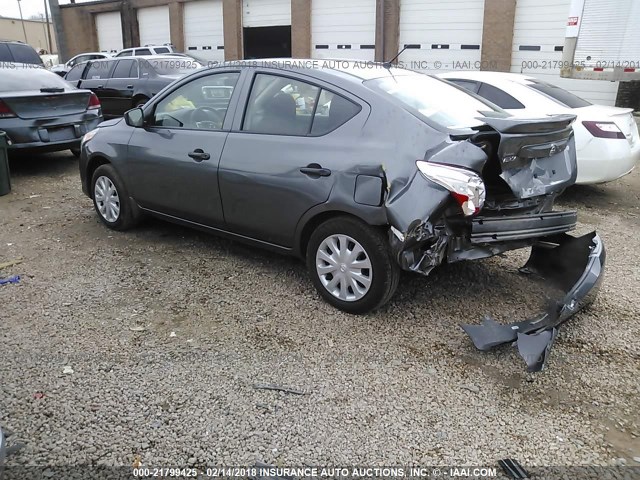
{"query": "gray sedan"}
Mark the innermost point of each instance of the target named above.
(40, 111)
(360, 170)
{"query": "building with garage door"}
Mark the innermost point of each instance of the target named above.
(437, 35)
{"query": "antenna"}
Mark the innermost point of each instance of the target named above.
(389, 64)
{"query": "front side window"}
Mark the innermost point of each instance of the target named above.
(201, 104)
(499, 97)
(436, 100)
(125, 69)
(99, 70)
(124, 53)
(280, 105)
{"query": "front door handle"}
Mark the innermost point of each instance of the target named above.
(100, 86)
(130, 86)
(199, 155)
(315, 170)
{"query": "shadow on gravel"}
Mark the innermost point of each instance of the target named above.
(23, 164)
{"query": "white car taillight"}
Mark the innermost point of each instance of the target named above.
(465, 186)
(604, 129)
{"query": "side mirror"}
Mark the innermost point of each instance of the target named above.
(134, 117)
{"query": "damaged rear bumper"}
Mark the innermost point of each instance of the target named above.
(573, 264)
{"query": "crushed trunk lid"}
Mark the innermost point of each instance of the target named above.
(537, 156)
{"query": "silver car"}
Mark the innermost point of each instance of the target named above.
(41, 111)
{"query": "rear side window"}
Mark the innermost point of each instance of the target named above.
(125, 69)
(466, 84)
(75, 73)
(498, 96)
(99, 70)
(162, 50)
(24, 54)
(331, 112)
(143, 51)
(561, 96)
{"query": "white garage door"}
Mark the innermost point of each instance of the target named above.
(203, 33)
(153, 23)
(266, 13)
(441, 36)
(343, 29)
(109, 29)
(538, 38)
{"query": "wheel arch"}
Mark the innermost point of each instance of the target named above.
(92, 166)
(314, 220)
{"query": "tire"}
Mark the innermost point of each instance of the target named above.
(76, 152)
(105, 179)
(347, 234)
(140, 102)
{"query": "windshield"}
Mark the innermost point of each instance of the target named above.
(28, 77)
(436, 100)
(175, 66)
(561, 96)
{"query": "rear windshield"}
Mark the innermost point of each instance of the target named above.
(174, 66)
(24, 77)
(561, 96)
(438, 101)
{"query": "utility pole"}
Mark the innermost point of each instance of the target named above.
(46, 16)
(24, 30)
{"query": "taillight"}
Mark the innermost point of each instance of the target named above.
(466, 187)
(603, 129)
(94, 102)
(5, 111)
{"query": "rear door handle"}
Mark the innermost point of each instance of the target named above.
(199, 155)
(100, 86)
(130, 86)
(315, 170)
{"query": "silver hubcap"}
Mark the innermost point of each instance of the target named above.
(107, 199)
(344, 268)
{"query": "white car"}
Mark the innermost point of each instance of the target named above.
(146, 50)
(607, 140)
(62, 68)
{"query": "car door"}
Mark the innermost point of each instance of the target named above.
(119, 89)
(95, 79)
(173, 161)
(280, 159)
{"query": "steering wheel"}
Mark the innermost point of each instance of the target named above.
(207, 117)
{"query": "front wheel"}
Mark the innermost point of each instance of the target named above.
(351, 266)
(111, 200)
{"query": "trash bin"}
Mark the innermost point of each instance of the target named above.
(5, 177)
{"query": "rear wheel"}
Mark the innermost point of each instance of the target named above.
(140, 101)
(111, 200)
(351, 266)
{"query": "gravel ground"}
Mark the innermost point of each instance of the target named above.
(144, 346)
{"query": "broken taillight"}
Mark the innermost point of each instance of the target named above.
(5, 111)
(603, 129)
(466, 187)
(94, 102)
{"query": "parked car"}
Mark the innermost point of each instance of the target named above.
(124, 83)
(400, 171)
(62, 68)
(146, 51)
(40, 111)
(18, 52)
(607, 140)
